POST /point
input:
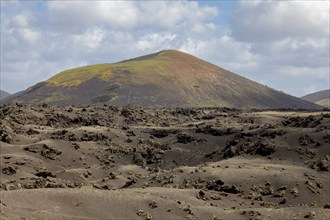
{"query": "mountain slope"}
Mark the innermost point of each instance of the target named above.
(321, 98)
(165, 79)
(4, 94)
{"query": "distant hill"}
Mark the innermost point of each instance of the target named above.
(4, 94)
(164, 79)
(321, 98)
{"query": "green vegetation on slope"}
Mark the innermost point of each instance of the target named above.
(75, 77)
(147, 69)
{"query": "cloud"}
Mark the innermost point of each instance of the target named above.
(29, 35)
(154, 40)
(20, 20)
(293, 52)
(127, 15)
(175, 14)
(256, 21)
(91, 39)
(297, 80)
(290, 39)
(118, 14)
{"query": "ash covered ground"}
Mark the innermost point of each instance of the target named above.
(130, 162)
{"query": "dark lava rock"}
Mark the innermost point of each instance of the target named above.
(45, 174)
(162, 133)
(305, 140)
(251, 213)
(4, 136)
(280, 192)
(50, 153)
(310, 214)
(185, 139)
(230, 152)
(271, 133)
(266, 190)
(8, 170)
(185, 111)
(304, 122)
(138, 159)
(208, 117)
(129, 183)
(213, 131)
(265, 149)
(214, 185)
(32, 149)
(32, 131)
(321, 165)
(153, 205)
(93, 137)
(231, 189)
(126, 112)
(327, 206)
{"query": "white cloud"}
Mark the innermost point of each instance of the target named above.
(20, 20)
(290, 39)
(173, 14)
(127, 14)
(30, 36)
(297, 80)
(122, 14)
(91, 39)
(256, 21)
(154, 40)
(304, 72)
(295, 52)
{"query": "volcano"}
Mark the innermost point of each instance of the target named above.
(321, 98)
(167, 78)
(3, 94)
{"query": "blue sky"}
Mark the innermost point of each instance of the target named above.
(283, 44)
(226, 8)
(227, 5)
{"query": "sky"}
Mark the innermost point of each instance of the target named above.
(281, 44)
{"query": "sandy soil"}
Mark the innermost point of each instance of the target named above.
(105, 162)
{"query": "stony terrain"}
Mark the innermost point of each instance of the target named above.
(131, 162)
